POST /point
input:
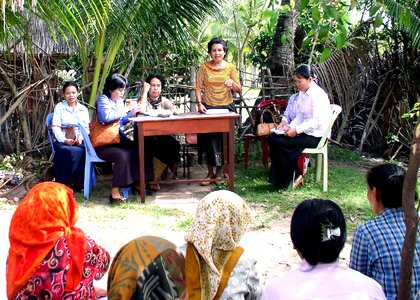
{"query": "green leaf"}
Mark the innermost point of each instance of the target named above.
(331, 12)
(316, 15)
(310, 33)
(323, 31)
(303, 4)
(340, 40)
(325, 54)
(378, 20)
(373, 10)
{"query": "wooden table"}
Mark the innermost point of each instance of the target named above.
(192, 122)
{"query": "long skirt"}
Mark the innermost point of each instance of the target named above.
(285, 152)
(210, 145)
(125, 161)
(69, 163)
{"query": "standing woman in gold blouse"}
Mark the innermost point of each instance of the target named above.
(217, 80)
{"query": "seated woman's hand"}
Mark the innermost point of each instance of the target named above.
(283, 126)
(136, 110)
(290, 132)
(69, 142)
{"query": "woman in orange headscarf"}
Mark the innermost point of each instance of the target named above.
(49, 257)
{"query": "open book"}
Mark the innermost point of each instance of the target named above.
(276, 131)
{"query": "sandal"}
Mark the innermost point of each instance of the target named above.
(206, 183)
(153, 186)
(298, 181)
(113, 200)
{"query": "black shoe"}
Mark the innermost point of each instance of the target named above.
(116, 200)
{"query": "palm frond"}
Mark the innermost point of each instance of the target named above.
(405, 19)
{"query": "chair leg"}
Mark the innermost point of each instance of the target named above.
(264, 146)
(87, 180)
(325, 174)
(318, 167)
(246, 152)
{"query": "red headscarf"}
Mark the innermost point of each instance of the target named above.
(47, 212)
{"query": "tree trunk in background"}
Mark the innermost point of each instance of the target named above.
(281, 61)
(411, 218)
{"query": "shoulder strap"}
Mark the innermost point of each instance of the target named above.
(273, 117)
(227, 270)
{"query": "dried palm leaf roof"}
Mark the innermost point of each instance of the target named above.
(41, 40)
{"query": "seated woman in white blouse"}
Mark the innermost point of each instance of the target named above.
(304, 131)
(69, 157)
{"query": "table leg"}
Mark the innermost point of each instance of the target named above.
(141, 162)
(231, 155)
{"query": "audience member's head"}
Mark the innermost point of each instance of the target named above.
(221, 220)
(219, 224)
(318, 231)
(148, 267)
(45, 214)
(386, 181)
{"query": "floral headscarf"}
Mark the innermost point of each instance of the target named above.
(220, 222)
(47, 212)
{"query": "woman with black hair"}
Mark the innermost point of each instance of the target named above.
(69, 157)
(164, 147)
(304, 131)
(318, 233)
(124, 156)
(217, 79)
(377, 244)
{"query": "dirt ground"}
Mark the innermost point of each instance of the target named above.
(269, 244)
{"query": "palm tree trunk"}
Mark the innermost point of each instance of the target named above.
(281, 61)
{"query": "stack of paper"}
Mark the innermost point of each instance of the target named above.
(217, 111)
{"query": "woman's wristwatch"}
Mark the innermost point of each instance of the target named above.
(199, 102)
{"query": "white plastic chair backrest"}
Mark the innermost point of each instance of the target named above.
(336, 110)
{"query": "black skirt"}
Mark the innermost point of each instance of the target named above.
(210, 145)
(285, 152)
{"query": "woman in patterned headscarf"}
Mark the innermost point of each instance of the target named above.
(216, 267)
(50, 258)
(148, 267)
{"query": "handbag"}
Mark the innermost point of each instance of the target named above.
(264, 129)
(70, 132)
(103, 134)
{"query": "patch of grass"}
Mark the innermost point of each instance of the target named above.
(341, 154)
(346, 186)
(185, 223)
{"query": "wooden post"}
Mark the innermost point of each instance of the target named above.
(193, 105)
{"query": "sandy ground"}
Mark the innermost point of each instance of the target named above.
(269, 244)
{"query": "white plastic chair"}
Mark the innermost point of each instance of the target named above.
(322, 150)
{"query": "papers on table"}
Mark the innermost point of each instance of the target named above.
(154, 113)
(276, 131)
(217, 111)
